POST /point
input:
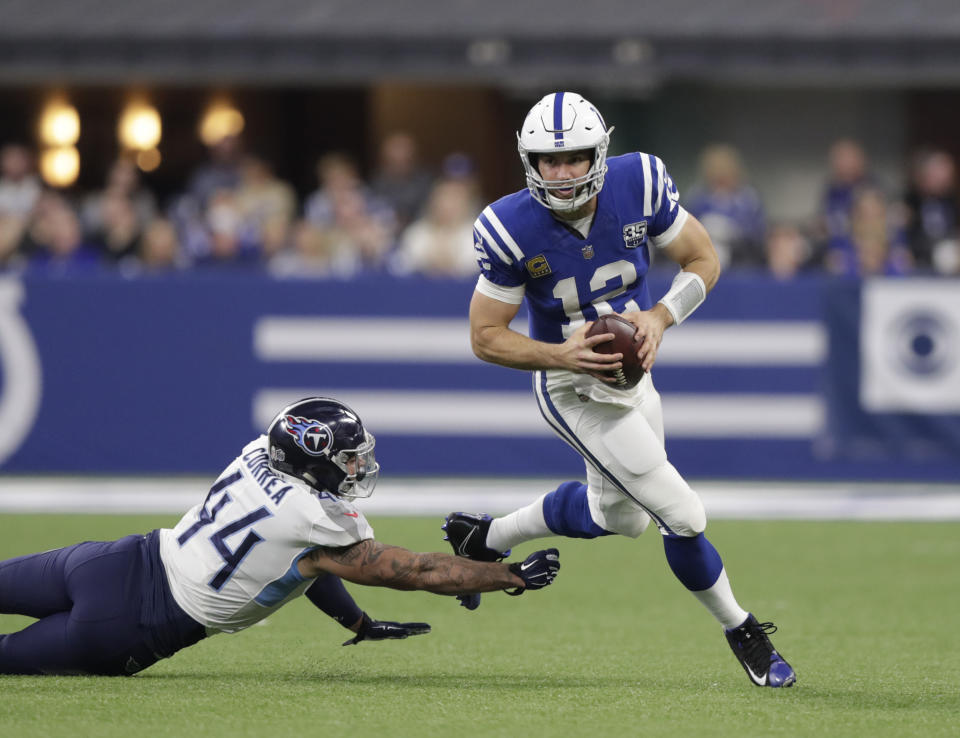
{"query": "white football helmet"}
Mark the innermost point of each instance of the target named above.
(564, 121)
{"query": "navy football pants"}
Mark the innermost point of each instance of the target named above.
(93, 602)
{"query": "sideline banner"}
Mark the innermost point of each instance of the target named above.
(910, 347)
(893, 373)
(172, 375)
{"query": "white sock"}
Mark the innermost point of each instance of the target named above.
(721, 603)
(518, 527)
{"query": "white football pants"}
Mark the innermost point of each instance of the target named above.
(629, 480)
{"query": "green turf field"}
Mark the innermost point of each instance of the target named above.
(868, 614)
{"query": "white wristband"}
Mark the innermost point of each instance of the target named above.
(685, 295)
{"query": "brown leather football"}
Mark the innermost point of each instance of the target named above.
(624, 342)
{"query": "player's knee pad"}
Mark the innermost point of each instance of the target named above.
(622, 515)
(667, 496)
(567, 512)
(693, 560)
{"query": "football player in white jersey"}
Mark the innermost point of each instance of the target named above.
(278, 522)
(575, 245)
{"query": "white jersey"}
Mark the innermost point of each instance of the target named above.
(232, 560)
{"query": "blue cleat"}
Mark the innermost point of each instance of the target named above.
(755, 652)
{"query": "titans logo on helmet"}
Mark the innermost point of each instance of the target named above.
(312, 436)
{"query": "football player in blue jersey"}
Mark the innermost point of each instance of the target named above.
(278, 522)
(575, 244)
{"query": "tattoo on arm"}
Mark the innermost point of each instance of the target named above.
(355, 555)
(373, 563)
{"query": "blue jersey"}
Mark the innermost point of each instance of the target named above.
(567, 279)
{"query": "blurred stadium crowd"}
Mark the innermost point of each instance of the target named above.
(234, 212)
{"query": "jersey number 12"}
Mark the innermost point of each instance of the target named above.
(566, 291)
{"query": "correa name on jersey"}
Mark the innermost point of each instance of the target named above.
(258, 463)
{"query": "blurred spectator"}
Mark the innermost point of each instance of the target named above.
(19, 184)
(211, 237)
(11, 234)
(932, 214)
(876, 244)
(788, 251)
(311, 255)
(222, 171)
(56, 240)
(440, 244)
(119, 227)
(230, 240)
(399, 179)
(358, 229)
(337, 172)
(848, 172)
(266, 204)
(458, 165)
(729, 208)
(189, 220)
(276, 236)
(114, 217)
(159, 248)
(123, 179)
(356, 236)
(20, 189)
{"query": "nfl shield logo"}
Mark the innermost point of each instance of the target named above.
(587, 251)
(634, 234)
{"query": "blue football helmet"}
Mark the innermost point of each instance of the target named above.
(323, 442)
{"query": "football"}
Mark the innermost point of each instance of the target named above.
(624, 342)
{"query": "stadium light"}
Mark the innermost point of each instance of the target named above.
(139, 128)
(148, 160)
(59, 124)
(219, 121)
(60, 166)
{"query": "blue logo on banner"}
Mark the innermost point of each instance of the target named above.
(921, 341)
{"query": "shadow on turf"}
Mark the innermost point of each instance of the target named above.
(466, 681)
(429, 680)
(870, 697)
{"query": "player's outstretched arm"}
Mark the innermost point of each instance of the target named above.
(493, 340)
(376, 564)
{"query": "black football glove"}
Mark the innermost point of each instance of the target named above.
(378, 630)
(538, 570)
